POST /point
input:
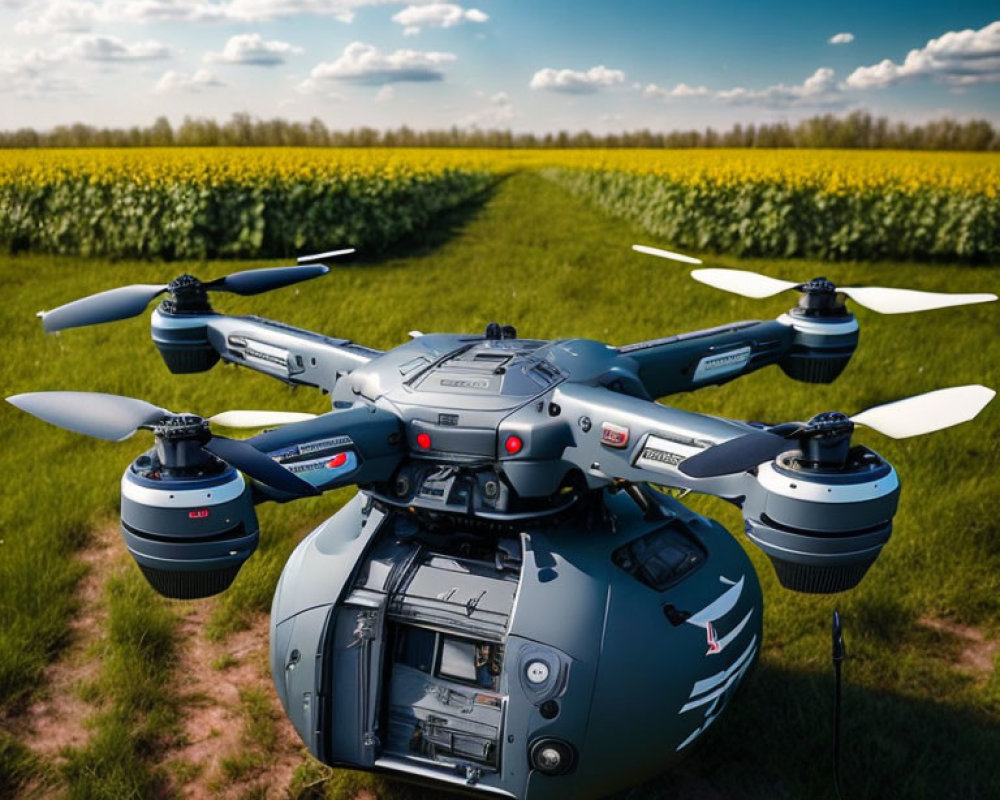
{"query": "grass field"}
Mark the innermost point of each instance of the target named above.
(922, 703)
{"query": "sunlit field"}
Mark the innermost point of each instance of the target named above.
(921, 717)
(183, 203)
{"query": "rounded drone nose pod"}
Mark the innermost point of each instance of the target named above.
(189, 536)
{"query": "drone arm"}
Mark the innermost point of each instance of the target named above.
(359, 445)
(622, 438)
(704, 358)
(809, 349)
(194, 342)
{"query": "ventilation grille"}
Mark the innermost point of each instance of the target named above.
(190, 584)
(820, 580)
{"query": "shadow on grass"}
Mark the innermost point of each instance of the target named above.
(776, 741)
(437, 233)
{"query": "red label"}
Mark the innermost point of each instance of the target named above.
(614, 435)
(200, 514)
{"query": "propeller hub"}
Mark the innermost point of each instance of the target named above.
(820, 299)
(183, 426)
(179, 440)
(826, 442)
(819, 286)
(830, 423)
(189, 296)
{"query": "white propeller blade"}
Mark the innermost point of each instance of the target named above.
(656, 251)
(328, 254)
(740, 281)
(103, 416)
(925, 413)
(258, 419)
(901, 301)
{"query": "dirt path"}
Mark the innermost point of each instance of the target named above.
(976, 652)
(57, 717)
(235, 740)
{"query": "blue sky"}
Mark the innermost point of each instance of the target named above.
(530, 66)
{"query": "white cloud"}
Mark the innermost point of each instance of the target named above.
(499, 112)
(252, 48)
(818, 90)
(98, 47)
(251, 10)
(958, 58)
(570, 82)
(30, 75)
(59, 16)
(385, 94)
(436, 15)
(680, 90)
(841, 38)
(174, 81)
(363, 63)
(72, 14)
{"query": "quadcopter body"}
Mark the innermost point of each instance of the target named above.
(508, 606)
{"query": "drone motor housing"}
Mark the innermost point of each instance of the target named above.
(189, 534)
(182, 342)
(822, 528)
(822, 346)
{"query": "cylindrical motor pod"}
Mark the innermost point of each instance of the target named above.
(189, 536)
(822, 347)
(821, 530)
(183, 342)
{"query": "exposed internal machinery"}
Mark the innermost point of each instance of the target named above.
(510, 586)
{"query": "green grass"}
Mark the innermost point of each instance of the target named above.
(19, 768)
(915, 724)
(140, 710)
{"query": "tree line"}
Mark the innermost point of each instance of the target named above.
(856, 130)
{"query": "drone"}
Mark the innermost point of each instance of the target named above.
(511, 605)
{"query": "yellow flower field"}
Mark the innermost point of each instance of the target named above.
(830, 170)
(244, 202)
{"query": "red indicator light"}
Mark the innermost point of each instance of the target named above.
(200, 514)
(513, 445)
(337, 461)
(424, 440)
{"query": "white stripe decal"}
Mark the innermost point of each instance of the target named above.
(708, 698)
(725, 640)
(718, 608)
(724, 676)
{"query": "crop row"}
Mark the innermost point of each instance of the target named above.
(191, 203)
(775, 218)
(176, 204)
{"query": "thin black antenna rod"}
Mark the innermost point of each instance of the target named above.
(839, 653)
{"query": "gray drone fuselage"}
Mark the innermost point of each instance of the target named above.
(507, 607)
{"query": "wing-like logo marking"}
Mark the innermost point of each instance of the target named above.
(712, 693)
(717, 609)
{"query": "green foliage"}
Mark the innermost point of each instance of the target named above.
(857, 129)
(82, 214)
(773, 219)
